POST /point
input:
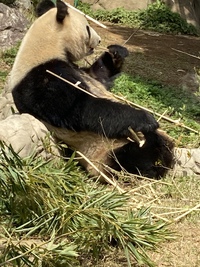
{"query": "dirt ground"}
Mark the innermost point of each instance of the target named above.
(154, 56)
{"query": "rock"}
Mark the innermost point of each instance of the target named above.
(13, 26)
(187, 162)
(27, 135)
(7, 106)
(25, 4)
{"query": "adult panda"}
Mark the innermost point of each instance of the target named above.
(97, 125)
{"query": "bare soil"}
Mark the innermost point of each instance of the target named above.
(154, 56)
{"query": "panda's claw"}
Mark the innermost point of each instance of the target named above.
(145, 122)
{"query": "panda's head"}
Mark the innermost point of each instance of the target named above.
(59, 32)
(75, 36)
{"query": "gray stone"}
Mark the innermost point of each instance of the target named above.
(25, 4)
(13, 26)
(187, 162)
(27, 136)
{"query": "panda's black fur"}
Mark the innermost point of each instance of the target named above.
(44, 7)
(57, 103)
(106, 68)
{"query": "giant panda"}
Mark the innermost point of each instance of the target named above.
(93, 121)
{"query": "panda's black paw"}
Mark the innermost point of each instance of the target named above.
(145, 122)
(119, 52)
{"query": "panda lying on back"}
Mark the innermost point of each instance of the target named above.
(58, 38)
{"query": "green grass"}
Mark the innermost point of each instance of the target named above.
(71, 216)
(3, 75)
(156, 17)
(8, 56)
(175, 102)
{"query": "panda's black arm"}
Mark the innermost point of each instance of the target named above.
(60, 104)
(80, 112)
(113, 119)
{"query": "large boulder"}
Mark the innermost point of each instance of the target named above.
(24, 133)
(13, 26)
(187, 162)
(7, 106)
(27, 135)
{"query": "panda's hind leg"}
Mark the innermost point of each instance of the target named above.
(153, 160)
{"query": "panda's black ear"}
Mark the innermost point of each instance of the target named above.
(43, 7)
(61, 11)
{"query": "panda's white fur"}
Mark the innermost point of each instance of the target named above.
(52, 40)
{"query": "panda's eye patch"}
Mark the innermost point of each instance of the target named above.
(88, 31)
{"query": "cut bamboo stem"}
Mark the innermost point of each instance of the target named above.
(75, 85)
(86, 16)
(162, 116)
(107, 179)
(136, 137)
(185, 53)
(186, 213)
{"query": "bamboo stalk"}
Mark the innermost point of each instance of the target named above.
(143, 186)
(75, 85)
(162, 116)
(187, 212)
(133, 33)
(86, 16)
(107, 179)
(136, 137)
(185, 53)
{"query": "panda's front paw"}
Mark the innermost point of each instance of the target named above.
(145, 122)
(118, 52)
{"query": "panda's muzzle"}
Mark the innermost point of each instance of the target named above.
(91, 51)
(94, 45)
(94, 38)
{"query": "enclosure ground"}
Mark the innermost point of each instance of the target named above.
(152, 56)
